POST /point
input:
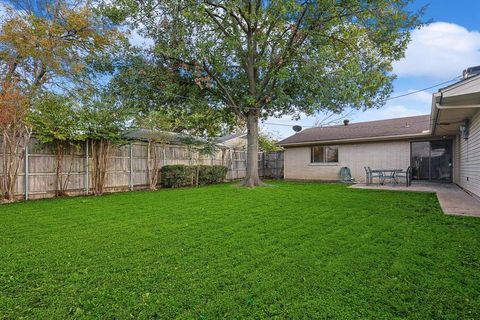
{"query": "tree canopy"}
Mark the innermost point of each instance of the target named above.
(52, 43)
(56, 118)
(144, 84)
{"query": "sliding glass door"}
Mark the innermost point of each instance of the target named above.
(432, 160)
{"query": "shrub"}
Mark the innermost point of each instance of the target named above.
(174, 176)
(211, 174)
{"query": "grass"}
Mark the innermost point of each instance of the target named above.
(289, 250)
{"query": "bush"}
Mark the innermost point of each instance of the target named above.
(211, 174)
(174, 176)
(179, 175)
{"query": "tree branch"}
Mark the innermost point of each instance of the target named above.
(218, 23)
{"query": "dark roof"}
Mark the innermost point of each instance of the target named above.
(362, 130)
(174, 138)
(231, 136)
(145, 134)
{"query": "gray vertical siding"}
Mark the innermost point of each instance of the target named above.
(469, 155)
(456, 159)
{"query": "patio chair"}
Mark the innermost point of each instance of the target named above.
(407, 175)
(370, 175)
(367, 176)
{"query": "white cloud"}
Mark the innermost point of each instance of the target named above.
(388, 112)
(422, 97)
(440, 50)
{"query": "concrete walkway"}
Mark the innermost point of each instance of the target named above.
(453, 199)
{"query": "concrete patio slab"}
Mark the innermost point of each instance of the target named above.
(452, 199)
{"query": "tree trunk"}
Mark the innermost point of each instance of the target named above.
(252, 179)
(100, 155)
(14, 141)
(153, 165)
(66, 179)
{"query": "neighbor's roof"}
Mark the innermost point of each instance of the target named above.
(372, 130)
(145, 134)
(175, 138)
(231, 136)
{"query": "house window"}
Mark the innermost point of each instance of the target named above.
(324, 154)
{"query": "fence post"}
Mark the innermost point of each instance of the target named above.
(131, 167)
(164, 151)
(264, 165)
(26, 171)
(87, 169)
(276, 165)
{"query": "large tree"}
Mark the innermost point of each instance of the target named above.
(259, 58)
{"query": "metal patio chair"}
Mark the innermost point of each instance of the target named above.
(407, 175)
(370, 175)
(367, 176)
(390, 176)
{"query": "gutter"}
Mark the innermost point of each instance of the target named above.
(440, 107)
(367, 139)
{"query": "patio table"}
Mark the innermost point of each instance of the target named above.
(388, 174)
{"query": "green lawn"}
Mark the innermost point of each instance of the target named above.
(288, 250)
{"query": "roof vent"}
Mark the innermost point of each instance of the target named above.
(346, 122)
(297, 128)
(470, 72)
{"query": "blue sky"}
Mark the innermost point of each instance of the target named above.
(437, 53)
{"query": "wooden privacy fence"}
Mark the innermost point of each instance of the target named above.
(127, 167)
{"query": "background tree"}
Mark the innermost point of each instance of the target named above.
(51, 43)
(105, 124)
(257, 58)
(144, 83)
(267, 142)
(44, 45)
(56, 121)
(15, 136)
(160, 130)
